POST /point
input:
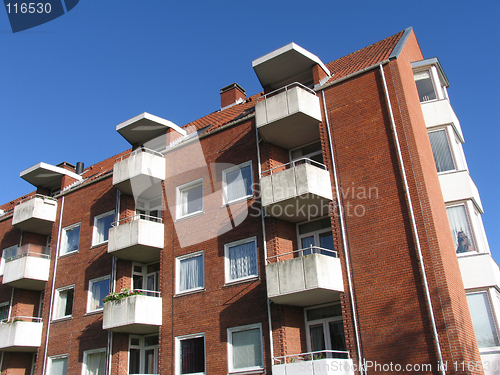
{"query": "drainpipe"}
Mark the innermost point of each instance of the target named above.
(51, 305)
(271, 346)
(344, 237)
(414, 225)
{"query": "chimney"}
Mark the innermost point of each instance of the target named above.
(231, 95)
(79, 167)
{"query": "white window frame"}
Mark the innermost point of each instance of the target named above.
(324, 321)
(178, 359)
(89, 293)
(227, 268)
(145, 276)
(225, 200)
(180, 190)
(493, 314)
(64, 244)
(144, 209)
(2, 259)
(314, 234)
(451, 147)
(95, 234)
(86, 353)
(57, 300)
(230, 332)
(142, 349)
(55, 357)
(2, 304)
(178, 261)
(308, 156)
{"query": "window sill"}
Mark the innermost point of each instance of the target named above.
(68, 254)
(189, 216)
(63, 319)
(251, 372)
(239, 200)
(241, 281)
(99, 244)
(94, 312)
(189, 292)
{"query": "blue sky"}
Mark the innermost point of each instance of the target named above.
(65, 85)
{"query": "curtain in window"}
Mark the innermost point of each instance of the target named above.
(96, 363)
(72, 239)
(193, 355)
(307, 242)
(317, 334)
(103, 225)
(243, 260)
(100, 289)
(247, 350)
(482, 320)
(61, 304)
(460, 229)
(441, 151)
(191, 273)
(59, 366)
(239, 183)
(192, 200)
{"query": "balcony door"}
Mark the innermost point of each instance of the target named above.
(325, 331)
(317, 233)
(148, 209)
(311, 151)
(146, 277)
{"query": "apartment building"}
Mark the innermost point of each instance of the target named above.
(327, 225)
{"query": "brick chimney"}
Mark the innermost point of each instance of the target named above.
(231, 94)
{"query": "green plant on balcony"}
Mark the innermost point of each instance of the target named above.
(120, 295)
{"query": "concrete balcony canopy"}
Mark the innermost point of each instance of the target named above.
(138, 314)
(440, 112)
(305, 280)
(21, 336)
(289, 117)
(296, 191)
(27, 267)
(479, 270)
(326, 362)
(139, 171)
(43, 175)
(139, 238)
(290, 63)
(35, 214)
(457, 186)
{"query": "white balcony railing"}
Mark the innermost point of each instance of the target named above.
(304, 277)
(21, 334)
(296, 191)
(289, 116)
(325, 362)
(35, 214)
(138, 238)
(27, 267)
(137, 314)
(138, 171)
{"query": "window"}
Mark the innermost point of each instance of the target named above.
(70, 239)
(312, 151)
(482, 320)
(425, 86)
(98, 289)
(245, 348)
(149, 209)
(102, 224)
(64, 302)
(325, 329)
(58, 365)
(190, 272)
(461, 229)
(190, 351)
(241, 260)
(4, 311)
(317, 233)
(143, 358)
(94, 362)
(190, 199)
(441, 151)
(146, 277)
(237, 182)
(4, 256)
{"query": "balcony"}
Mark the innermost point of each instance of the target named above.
(23, 334)
(306, 277)
(289, 117)
(138, 171)
(27, 267)
(35, 214)
(137, 314)
(457, 186)
(326, 362)
(139, 238)
(296, 191)
(440, 112)
(479, 270)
